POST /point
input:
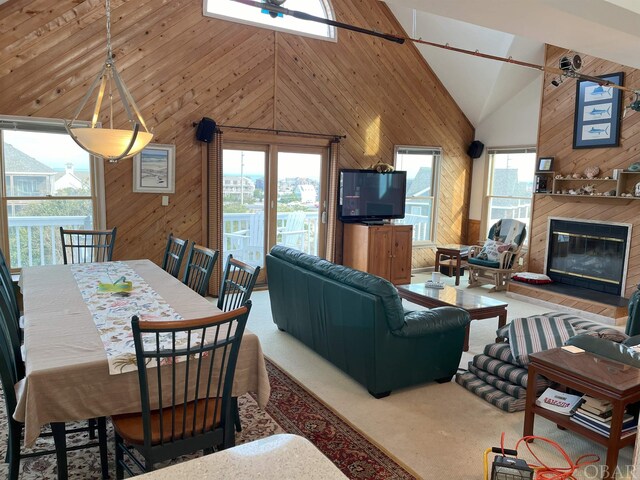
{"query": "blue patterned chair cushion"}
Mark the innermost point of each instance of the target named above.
(537, 333)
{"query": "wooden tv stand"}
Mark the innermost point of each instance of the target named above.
(383, 250)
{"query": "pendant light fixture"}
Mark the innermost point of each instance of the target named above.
(110, 143)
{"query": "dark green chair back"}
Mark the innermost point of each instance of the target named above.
(237, 284)
(11, 325)
(7, 282)
(200, 263)
(173, 255)
(633, 321)
(198, 378)
(87, 246)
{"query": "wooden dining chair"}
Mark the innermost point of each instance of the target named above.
(200, 263)
(87, 246)
(198, 378)
(173, 254)
(237, 284)
(11, 373)
(235, 290)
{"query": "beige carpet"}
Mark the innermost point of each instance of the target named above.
(438, 431)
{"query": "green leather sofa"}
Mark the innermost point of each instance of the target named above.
(357, 322)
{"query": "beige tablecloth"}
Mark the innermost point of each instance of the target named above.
(67, 374)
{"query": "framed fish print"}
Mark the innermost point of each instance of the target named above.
(598, 108)
(154, 169)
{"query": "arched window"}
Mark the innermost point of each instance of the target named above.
(238, 12)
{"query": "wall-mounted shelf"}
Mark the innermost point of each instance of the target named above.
(546, 183)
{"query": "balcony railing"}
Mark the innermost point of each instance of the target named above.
(36, 240)
(243, 234)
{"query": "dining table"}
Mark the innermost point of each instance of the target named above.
(69, 376)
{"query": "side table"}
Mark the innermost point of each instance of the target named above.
(596, 376)
(457, 254)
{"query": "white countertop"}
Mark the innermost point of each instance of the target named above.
(282, 456)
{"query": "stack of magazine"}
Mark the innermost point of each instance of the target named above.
(595, 415)
(559, 402)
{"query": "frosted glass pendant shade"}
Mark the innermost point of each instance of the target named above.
(111, 143)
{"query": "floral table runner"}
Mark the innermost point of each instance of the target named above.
(112, 312)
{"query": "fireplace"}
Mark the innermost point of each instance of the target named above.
(588, 254)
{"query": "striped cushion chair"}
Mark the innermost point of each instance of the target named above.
(580, 325)
(537, 333)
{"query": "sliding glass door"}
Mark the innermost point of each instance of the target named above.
(273, 194)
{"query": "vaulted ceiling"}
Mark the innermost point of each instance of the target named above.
(608, 29)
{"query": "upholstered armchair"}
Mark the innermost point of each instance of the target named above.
(495, 261)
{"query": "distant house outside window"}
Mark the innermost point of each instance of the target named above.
(510, 188)
(237, 12)
(422, 165)
(49, 182)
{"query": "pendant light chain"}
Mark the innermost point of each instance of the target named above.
(109, 63)
(109, 54)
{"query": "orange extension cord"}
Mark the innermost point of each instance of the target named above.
(545, 472)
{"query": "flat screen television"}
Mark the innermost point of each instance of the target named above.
(370, 197)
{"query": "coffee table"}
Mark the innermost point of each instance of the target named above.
(478, 306)
(596, 376)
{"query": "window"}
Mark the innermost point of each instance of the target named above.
(49, 182)
(237, 12)
(510, 189)
(422, 165)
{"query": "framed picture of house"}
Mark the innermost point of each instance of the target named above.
(154, 169)
(597, 115)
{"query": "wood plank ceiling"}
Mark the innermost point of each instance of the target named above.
(181, 66)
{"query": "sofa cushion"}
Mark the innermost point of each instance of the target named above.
(536, 334)
(354, 278)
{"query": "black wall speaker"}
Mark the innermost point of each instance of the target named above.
(206, 129)
(475, 149)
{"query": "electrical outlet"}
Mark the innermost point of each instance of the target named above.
(165, 200)
(521, 261)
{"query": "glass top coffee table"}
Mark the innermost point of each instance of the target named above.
(478, 306)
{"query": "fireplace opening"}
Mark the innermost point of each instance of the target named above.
(588, 254)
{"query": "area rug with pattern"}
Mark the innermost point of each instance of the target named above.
(291, 409)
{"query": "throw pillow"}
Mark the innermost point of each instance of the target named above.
(492, 249)
(536, 334)
(534, 278)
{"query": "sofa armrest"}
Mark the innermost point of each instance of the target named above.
(632, 341)
(436, 320)
(606, 348)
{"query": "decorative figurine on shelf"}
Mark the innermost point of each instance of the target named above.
(575, 176)
(610, 193)
(591, 172)
(589, 189)
(634, 167)
(637, 190)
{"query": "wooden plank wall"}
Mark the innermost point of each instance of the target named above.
(181, 66)
(556, 139)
